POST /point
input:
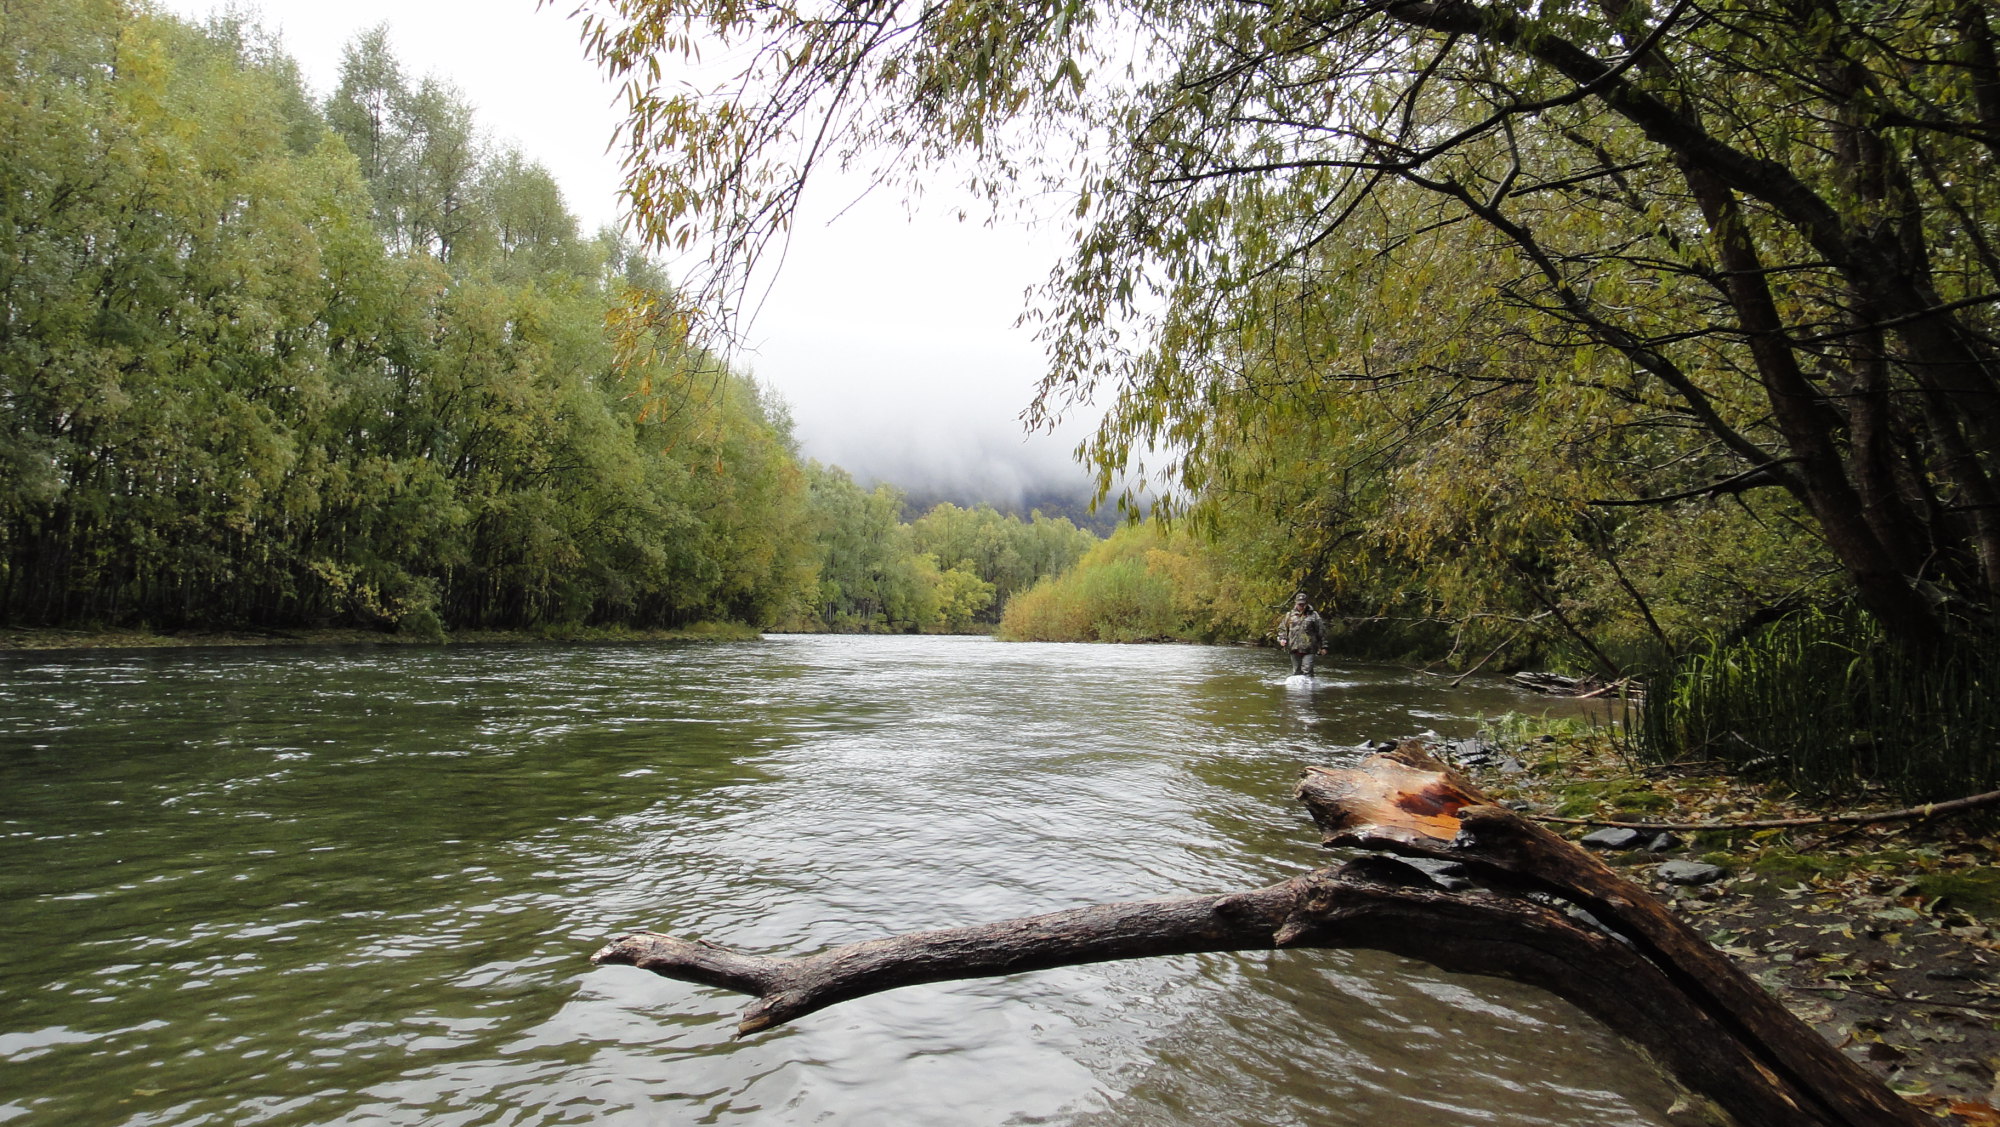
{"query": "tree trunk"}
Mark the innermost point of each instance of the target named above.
(1538, 910)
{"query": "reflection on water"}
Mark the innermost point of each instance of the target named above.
(360, 885)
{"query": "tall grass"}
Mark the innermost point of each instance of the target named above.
(1822, 702)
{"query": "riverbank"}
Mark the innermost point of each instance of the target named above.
(1885, 938)
(30, 638)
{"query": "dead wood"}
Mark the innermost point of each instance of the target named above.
(1537, 910)
(1911, 814)
(1811, 1074)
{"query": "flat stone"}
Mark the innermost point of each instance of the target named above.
(1662, 842)
(1616, 837)
(1473, 752)
(1690, 872)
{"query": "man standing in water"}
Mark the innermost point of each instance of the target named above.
(1302, 633)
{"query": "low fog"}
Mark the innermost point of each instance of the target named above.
(891, 335)
(954, 440)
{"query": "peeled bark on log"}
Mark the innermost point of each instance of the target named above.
(1540, 911)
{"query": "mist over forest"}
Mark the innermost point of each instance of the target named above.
(1015, 475)
(957, 438)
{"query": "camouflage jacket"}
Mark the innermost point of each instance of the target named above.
(1302, 633)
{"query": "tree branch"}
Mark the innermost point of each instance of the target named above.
(1532, 908)
(791, 988)
(1751, 478)
(1927, 810)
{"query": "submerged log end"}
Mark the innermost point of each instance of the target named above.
(775, 1010)
(707, 964)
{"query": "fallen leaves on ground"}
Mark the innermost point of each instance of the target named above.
(1882, 937)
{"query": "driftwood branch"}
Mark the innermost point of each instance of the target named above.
(1927, 810)
(791, 988)
(1529, 906)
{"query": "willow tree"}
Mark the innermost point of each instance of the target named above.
(229, 397)
(1382, 422)
(1765, 222)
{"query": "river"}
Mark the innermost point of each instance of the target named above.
(360, 886)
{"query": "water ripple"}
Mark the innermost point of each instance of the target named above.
(357, 886)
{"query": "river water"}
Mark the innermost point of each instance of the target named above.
(360, 886)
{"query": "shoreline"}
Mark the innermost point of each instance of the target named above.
(1885, 938)
(58, 639)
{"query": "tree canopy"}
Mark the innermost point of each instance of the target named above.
(272, 362)
(1515, 274)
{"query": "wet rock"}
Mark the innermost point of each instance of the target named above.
(1595, 924)
(1394, 871)
(1469, 753)
(1616, 837)
(1690, 872)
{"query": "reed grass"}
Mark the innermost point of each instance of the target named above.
(1822, 702)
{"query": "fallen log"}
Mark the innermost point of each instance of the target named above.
(1515, 902)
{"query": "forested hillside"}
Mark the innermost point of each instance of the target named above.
(272, 359)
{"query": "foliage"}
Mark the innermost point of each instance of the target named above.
(1451, 513)
(1822, 702)
(1003, 551)
(1143, 584)
(261, 366)
(948, 571)
(1677, 254)
(1519, 729)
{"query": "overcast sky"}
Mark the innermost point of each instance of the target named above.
(890, 336)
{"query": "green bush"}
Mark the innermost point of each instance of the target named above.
(1126, 589)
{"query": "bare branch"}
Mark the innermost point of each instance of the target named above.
(1530, 907)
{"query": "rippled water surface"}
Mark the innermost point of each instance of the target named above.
(324, 886)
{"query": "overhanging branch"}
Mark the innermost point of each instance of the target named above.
(1753, 478)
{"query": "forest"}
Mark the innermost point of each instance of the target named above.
(274, 360)
(1650, 341)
